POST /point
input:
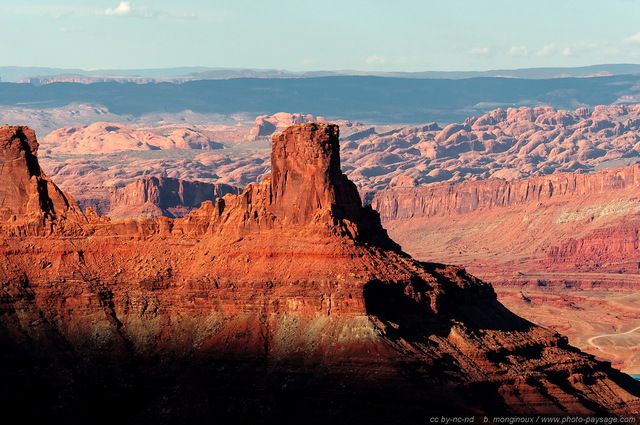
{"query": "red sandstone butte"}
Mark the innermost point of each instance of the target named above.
(287, 303)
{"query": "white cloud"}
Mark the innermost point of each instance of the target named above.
(567, 51)
(633, 39)
(376, 60)
(518, 51)
(127, 9)
(547, 50)
(123, 9)
(480, 51)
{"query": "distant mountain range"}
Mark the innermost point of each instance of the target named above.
(43, 75)
(356, 98)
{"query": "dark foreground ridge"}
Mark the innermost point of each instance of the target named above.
(287, 303)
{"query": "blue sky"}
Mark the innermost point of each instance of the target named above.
(299, 35)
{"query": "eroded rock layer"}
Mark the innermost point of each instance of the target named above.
(287, 303)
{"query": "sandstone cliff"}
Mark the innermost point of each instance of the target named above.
(287, 303)
(546, 216)
(467, 197)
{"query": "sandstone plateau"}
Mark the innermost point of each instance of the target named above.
(287, 303)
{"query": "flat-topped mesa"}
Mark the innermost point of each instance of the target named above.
(30, 202)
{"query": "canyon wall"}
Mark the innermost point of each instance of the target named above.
(466, 197)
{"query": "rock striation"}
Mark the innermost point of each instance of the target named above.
(287, 303)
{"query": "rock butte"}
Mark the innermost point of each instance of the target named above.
(287, 303)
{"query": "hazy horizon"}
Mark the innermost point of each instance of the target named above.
(368, 36)
(200, 68)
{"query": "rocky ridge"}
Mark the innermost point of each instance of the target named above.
(286, 303)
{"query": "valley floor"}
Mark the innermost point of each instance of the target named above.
(605, 323)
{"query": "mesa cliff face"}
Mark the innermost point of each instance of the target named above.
(459, 198)
(287, 303)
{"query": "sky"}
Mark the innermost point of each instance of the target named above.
(302, 35)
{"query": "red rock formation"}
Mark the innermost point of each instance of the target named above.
(503, 144)
(306, 175)
(257, 309)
